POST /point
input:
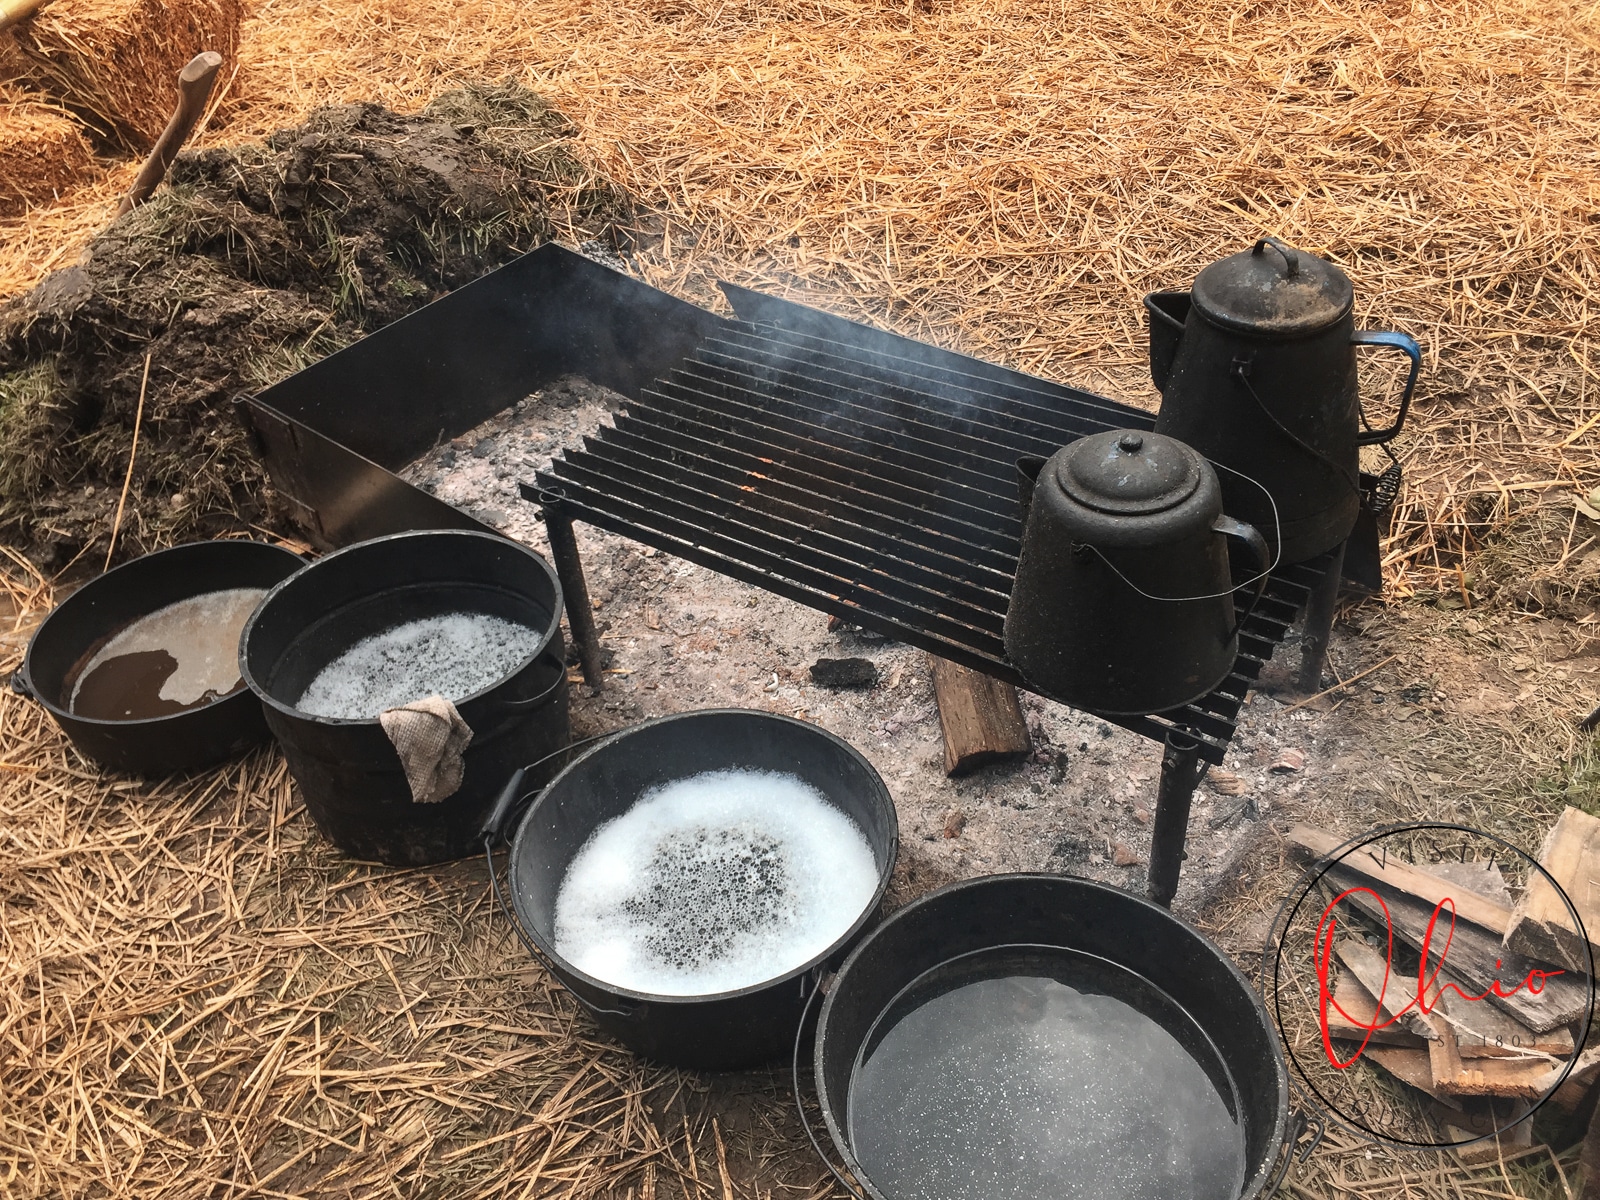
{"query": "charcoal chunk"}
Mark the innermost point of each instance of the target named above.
(845, 674)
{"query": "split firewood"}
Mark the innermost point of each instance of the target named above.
(1351, 1013)
(980, 716)
(1541, 927)
(1519, 1077)
(1373, 863)
(1495, 1118)
(1482, 1031)
(1481, 878)
(1412, 1068)
(1393, 990)
(1472, 957)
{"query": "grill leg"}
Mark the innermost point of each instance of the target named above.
(1180, 774)
(569, 569)
(1319, 623)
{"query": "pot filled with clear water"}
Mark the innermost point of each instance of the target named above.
(470, 618)
(1021, 1037)
(690, 877)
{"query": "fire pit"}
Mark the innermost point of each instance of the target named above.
(860, 473)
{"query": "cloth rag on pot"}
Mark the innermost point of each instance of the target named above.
(429, 736)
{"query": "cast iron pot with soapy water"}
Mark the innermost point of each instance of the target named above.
(349, 773)
(1123, 954)
(1123, 597)
(82, 623)
(1257, 371)
(727, 1030)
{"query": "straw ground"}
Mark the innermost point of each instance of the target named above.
(198, 997)
(184, 962)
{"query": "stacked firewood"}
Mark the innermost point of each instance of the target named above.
(1481, 1018)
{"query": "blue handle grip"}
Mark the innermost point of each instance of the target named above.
(1399, 341)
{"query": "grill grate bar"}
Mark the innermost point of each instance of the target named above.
(1047, 402)
(786, 431)
(869, 485)
(1000, 436)
(818, 558)
(1001, 423)
(809, 526)
(856, 427)
(877, 517)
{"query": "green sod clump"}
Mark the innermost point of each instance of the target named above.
(256, 261)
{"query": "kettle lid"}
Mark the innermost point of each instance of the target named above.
(1273, 289)
(1128, 472)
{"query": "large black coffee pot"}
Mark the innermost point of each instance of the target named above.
(1257, 371)
(1123, 600)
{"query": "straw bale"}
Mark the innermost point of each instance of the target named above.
(42, 154)
(116, 62)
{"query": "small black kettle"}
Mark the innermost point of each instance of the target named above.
(1257, 371)
(1123, 600)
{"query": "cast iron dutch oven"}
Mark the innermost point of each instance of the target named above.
(350, 776)
(1024, 919)
(88, 618)
(716, 1032)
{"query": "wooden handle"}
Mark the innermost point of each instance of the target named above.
(14, 12)
(194, 89)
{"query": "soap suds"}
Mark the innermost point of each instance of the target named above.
(713, 883)
(454, 656)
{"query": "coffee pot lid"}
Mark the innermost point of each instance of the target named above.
(1273, 289)
(1128, 472)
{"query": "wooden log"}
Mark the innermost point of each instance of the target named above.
(1521, 1078)
(980, 716)
(1412, 1068)
(1483, 1118)
(1351, 1012)
(1406, 878)
(1389, 987)
(1482, 1031)
(1541, 927)
(1473, 955)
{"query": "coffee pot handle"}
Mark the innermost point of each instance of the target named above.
(1399, 341)
(1250, 536)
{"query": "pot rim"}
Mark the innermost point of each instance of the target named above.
(272, 702)
(868, 911)
(1254, 1182)
(63, 713)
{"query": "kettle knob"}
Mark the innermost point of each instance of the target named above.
(1130, 443)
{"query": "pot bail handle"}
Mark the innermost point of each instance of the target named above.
(1398, 341)
(1291, 260)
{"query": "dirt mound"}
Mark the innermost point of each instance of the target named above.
(258, 260)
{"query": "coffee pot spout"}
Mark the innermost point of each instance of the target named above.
(1169, 312)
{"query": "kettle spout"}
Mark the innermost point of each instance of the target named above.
(1168, 312)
